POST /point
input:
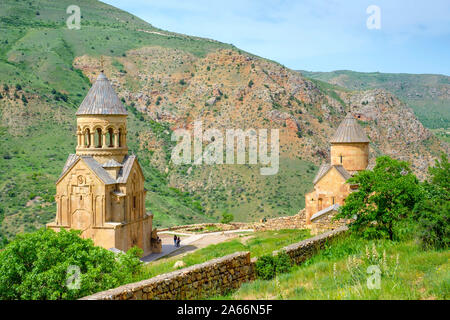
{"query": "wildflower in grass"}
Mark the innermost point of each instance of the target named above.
(384, 263)
(374, 253)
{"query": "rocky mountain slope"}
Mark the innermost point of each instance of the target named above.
(427, 94)
(168, 81)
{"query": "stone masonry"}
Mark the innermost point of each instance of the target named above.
(212, 277)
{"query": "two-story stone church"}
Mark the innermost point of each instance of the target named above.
(101, 187)
(349, 154)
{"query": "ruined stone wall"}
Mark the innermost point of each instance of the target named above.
(290, 222)
(210, 278)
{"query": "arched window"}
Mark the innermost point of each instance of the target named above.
(98, 138)
(87, 138)
(110, 138)
(120, 137)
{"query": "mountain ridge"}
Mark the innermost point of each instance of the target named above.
(167, 83)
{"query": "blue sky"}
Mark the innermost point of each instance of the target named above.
(315, 35)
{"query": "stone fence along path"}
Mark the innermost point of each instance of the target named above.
(213, 277)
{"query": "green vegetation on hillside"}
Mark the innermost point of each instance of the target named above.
(40, 91)
(258, 243)
(340, 272)
(381, 257)
(426, 94)
(37, 266)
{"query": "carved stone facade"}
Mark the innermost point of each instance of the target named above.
(101, 188)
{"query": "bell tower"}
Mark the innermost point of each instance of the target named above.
(101, 188)
(102, 124)
(350, 146)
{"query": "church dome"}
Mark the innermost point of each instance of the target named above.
(349, 131)
(101, 100)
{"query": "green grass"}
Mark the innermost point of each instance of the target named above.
(340, 272)
(259, 244)
(37, 52)
(251, 196)
(442, 134)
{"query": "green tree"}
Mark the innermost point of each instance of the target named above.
(227, 217)
(433, 211)
(386, 195)
(36, 266)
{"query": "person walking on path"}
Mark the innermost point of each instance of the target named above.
(178, 241)
(175, 238)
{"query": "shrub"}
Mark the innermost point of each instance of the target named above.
(36, 266)
(227, 217)
(386, 195)
(433, 222)
(265, 267)
(268, 266)
(283, 263)
(432, 212)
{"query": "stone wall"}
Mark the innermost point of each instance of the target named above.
(200, 226)
(303, 250)
(289, 222)
(210, 278)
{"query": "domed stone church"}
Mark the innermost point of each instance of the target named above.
(349, 155)
(101, 187)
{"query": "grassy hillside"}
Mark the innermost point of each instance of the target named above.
(258, 243)
(427, 94)
(40, 92)
(167, 81)
(340, 273)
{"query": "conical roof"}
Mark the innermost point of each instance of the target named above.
(101, 99)
(349, 131)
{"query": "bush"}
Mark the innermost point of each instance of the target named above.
(386, 195)
(268, 266)
(36, 266)
(434, 225)
(432, 212)
(227, 217)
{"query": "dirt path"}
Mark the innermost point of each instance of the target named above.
(191, 242)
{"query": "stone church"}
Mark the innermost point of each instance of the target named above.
(101, 187)
(349, 154)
